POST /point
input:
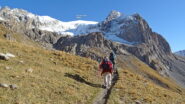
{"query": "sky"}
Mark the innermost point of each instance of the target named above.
(166, 17)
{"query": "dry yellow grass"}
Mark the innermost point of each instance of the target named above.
(132, 87)
(57, 77)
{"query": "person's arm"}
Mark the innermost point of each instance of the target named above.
(100, 66)
(99, 69)
(111, 65)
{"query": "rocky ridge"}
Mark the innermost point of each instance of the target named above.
(180, 53)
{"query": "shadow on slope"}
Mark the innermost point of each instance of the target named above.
(81, 80)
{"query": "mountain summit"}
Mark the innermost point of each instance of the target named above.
(113, 15)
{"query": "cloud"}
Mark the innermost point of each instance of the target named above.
(79, 16)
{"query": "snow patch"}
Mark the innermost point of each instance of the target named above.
(118, 39)
(30, 15)
(2, 19)
(69, 28)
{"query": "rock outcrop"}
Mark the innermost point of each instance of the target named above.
(6, 56)
(180, 53)
(93, 45)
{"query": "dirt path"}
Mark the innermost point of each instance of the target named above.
(103, 97)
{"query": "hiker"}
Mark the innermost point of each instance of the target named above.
(106, 70)
(112, 58)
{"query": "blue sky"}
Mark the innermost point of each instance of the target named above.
(166, 17)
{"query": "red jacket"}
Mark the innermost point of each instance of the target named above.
(106, 70)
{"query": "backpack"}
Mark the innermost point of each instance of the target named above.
(112, 56)
(105, 65)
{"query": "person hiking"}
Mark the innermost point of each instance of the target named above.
(106, 67)
(112, 58)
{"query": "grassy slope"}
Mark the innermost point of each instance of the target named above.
(134, 85)
(57, 77)
(61, 78)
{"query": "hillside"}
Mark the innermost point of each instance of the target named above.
(63, 78)
(57, 77)
(132, 87)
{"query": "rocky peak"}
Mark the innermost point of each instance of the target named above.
(180, 53)
(134, 28)
(113, 15)
(6, 8)
(15, 15)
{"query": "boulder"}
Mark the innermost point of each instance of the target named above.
(13, 86)
(9, 37)
(3, 85)
(6, 56)
(3, 57)
(8, 68)
(30, 70)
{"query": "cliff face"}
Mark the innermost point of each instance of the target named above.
(93, 45)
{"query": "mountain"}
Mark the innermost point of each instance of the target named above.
(36, 27)
(63, 78)
(180, 53)
(45, 22)
(148, 46)
(31, 21)
(124, 34)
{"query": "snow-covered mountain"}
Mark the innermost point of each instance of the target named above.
(47, 23)
(181, 53)
(112, 26)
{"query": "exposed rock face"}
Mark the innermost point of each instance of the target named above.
(180, 53)
(47, 39)
(137, 31)
(93, 45)
(23, 22)
(153, 52)
(112, 15)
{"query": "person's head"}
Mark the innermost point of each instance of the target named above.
(111, 53)
(105, 58)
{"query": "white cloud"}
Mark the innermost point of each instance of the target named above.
(80, 16)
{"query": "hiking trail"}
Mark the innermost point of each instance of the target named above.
(103, 96)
